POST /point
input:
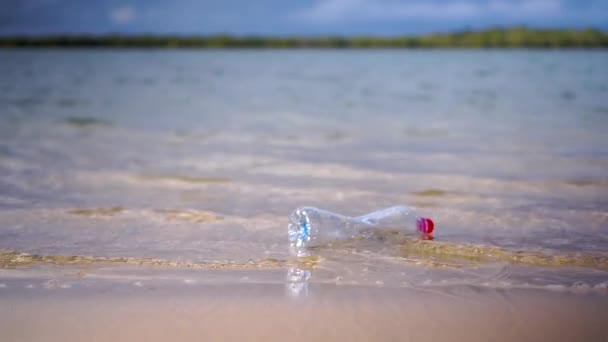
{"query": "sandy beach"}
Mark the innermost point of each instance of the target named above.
(228, 312)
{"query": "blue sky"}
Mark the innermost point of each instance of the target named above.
(296, 17)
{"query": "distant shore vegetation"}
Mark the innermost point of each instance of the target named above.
(518, 37)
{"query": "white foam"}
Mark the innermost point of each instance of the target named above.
(601, 287)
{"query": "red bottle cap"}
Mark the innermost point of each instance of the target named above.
(425, 225)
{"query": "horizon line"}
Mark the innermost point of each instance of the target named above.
(300, 36)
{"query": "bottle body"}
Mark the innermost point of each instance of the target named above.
(309, 226)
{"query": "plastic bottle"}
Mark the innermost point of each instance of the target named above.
(309, 227)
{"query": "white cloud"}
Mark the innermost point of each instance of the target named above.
(348, 10)
(123, 15)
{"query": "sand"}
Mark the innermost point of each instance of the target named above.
(224, 311)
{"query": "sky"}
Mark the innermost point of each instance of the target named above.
(292, 17)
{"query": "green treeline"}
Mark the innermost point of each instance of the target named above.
(519, 37)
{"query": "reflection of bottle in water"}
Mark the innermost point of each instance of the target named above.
(309, 227)
(297, 282)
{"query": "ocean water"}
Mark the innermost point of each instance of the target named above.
(184, 165)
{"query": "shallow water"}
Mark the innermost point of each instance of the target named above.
(195, 159)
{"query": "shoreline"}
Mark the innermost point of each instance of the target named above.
(497, 37)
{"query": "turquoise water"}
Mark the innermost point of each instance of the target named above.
(200, 156)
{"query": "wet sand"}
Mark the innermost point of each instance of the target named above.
(225, 311)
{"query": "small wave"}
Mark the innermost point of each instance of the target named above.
(463, 255)
(183, 179)
(97, 212)
(186, 215)
(11, 259)
(587, 182)
(68, 102)
(430, 193)
(195, 216)
(86, 122)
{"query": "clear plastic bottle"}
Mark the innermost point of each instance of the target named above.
(309, 227)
